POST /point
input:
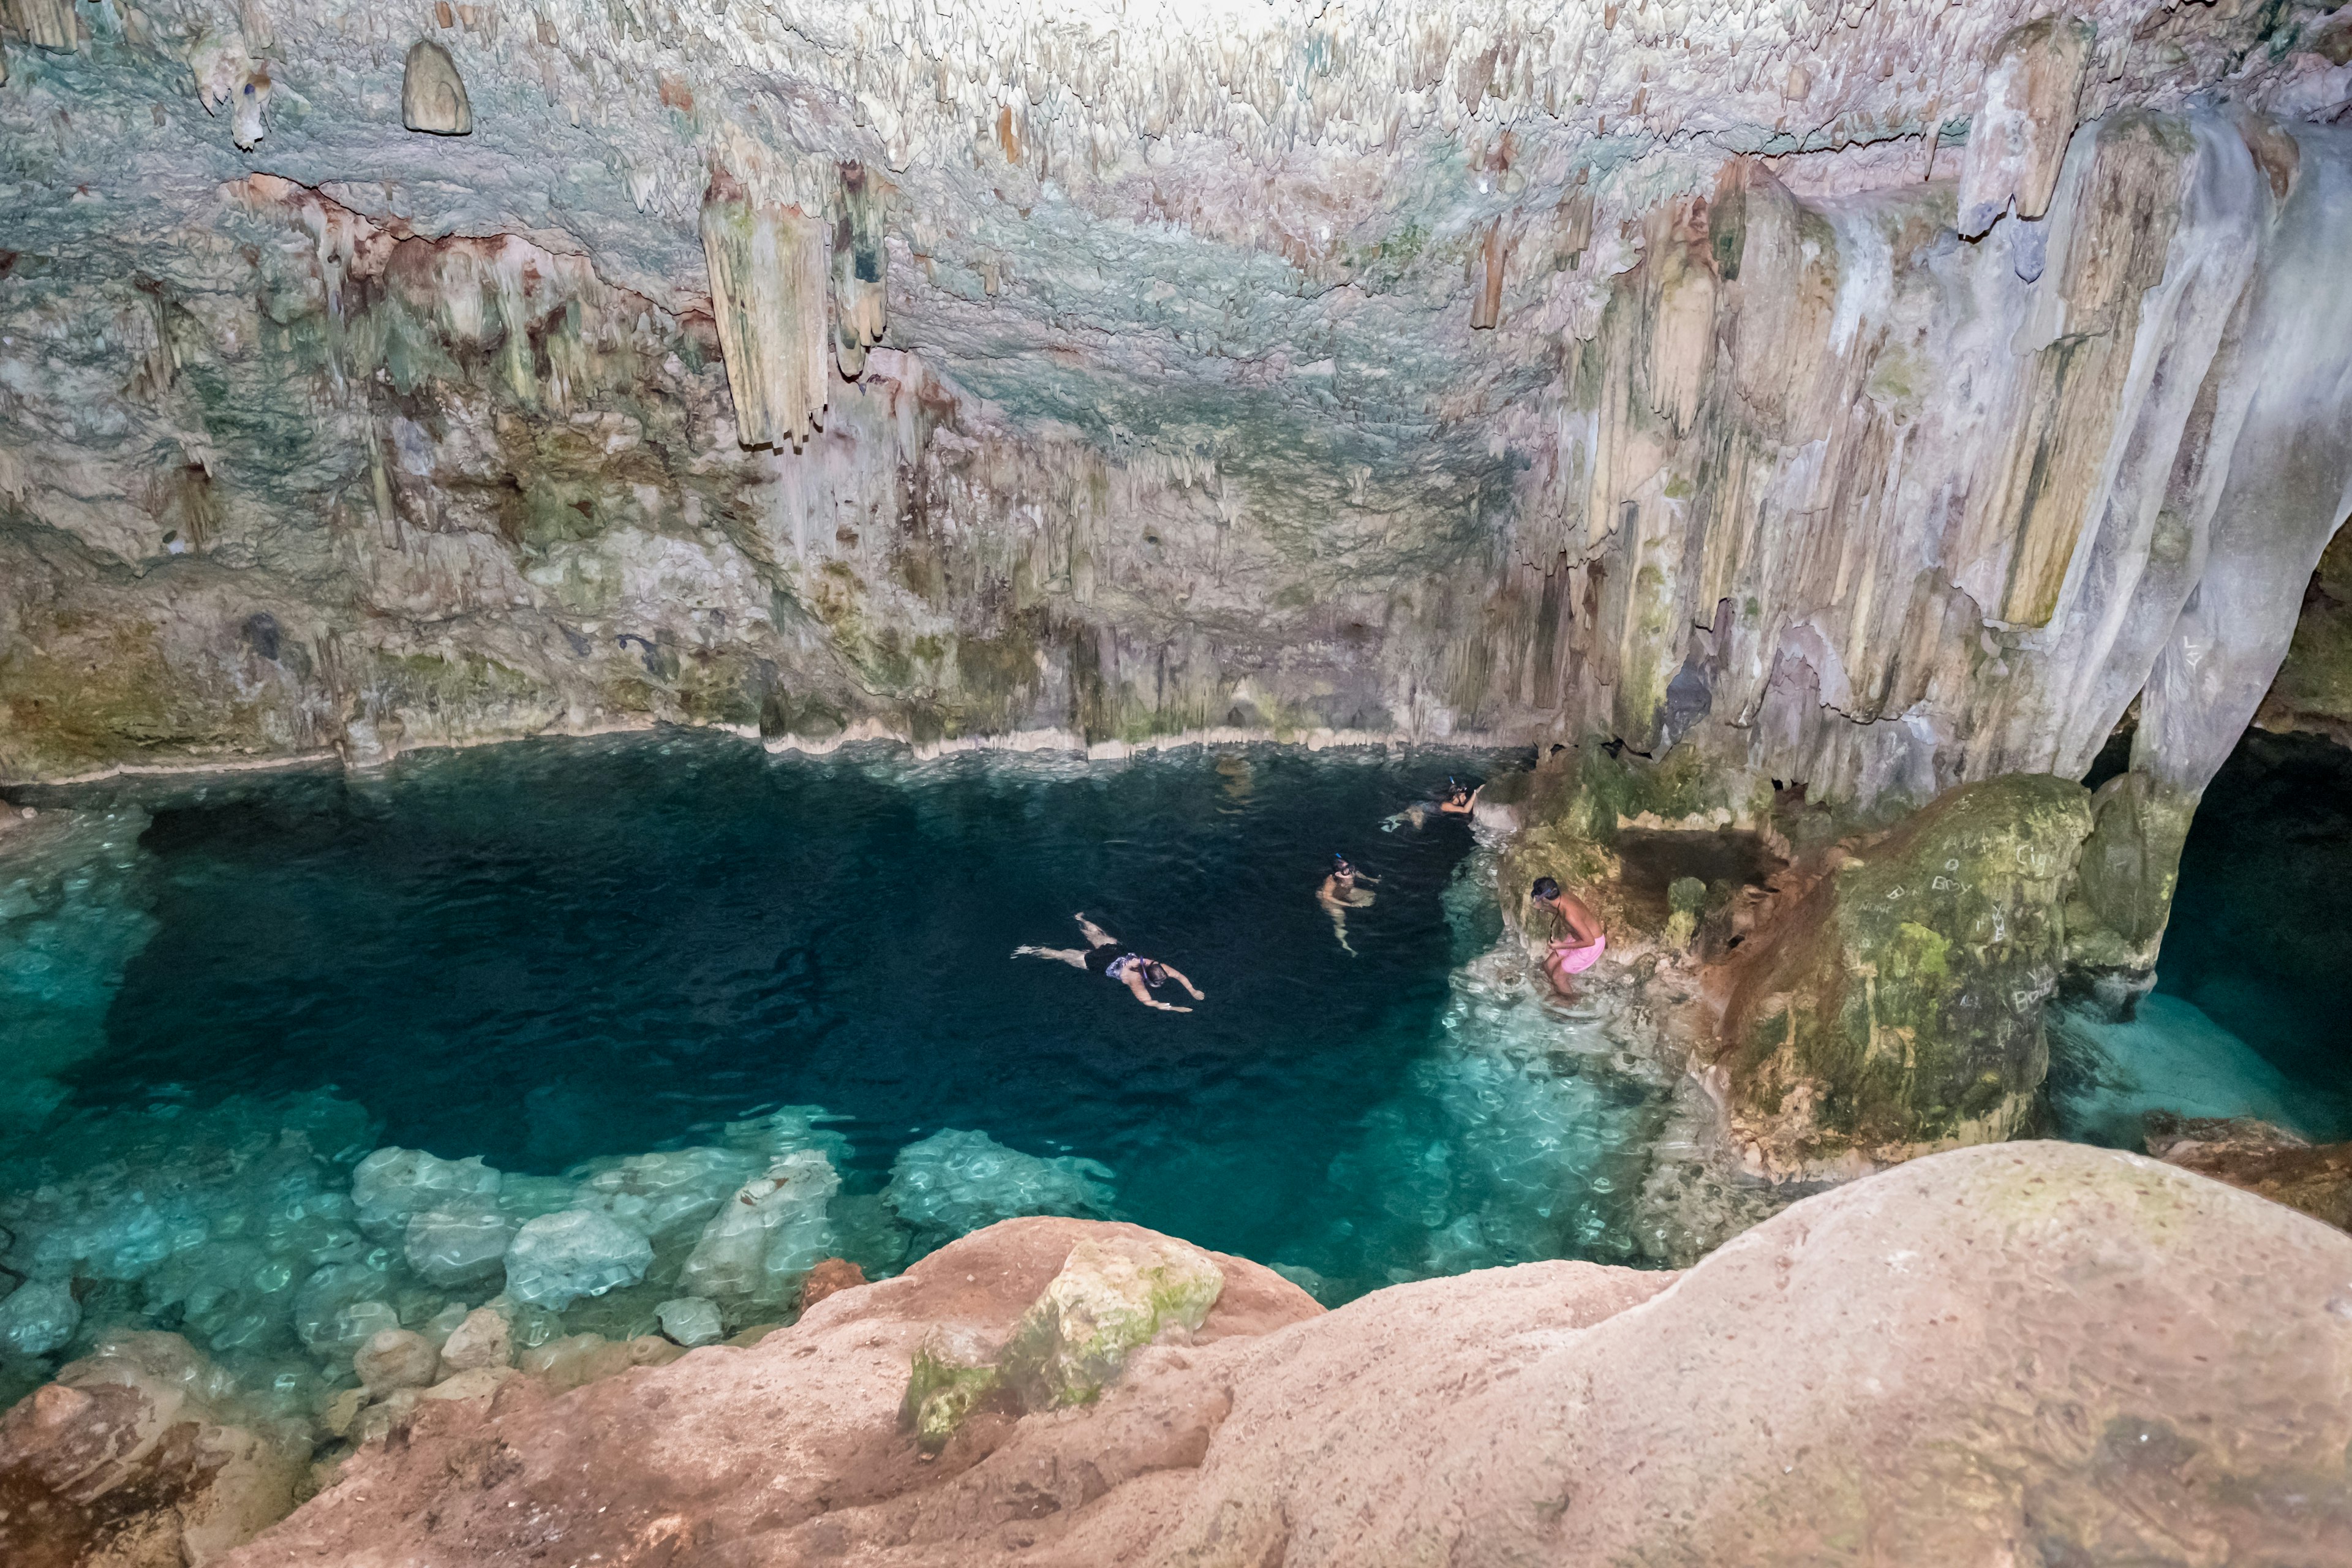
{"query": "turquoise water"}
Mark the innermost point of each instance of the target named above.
(2252, 986)
(631, 975)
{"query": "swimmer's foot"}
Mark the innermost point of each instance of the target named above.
(1024, 949)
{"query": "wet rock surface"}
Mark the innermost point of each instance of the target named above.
(2013, 1349)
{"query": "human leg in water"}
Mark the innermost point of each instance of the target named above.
(1342, 891)
(1076, 957)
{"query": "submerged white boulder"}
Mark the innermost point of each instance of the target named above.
(37, 1317)
(557, 1258)
(959, 1180)
(393, 1185)
(459, 1244)
(769, 1234)
(690, 1320)
(666, 1190)
(340, 1305)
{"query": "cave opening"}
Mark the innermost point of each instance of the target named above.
(2247, 1017)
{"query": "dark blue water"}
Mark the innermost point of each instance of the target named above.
(551, 951)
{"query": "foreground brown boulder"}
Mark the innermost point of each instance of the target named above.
(2034, 1352)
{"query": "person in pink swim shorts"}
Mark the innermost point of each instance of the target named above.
(1581, 947)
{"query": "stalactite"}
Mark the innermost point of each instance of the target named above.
(432, 93)
(859, 259)
(2018, 137)
(250, 123)
(768, 299)
(1486, 308)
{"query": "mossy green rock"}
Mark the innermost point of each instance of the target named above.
(1897, 1006)
(1110, 1299)
(953, 1375)
(2123, 892)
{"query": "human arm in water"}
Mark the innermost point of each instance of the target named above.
(1181, 978)
(1143, 993)
(1469, 804)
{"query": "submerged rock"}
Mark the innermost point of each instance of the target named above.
(397, 1358)
(484, 1338)
(691, 1320)
(772, 1231)
(459, 1244)
(664, 1192)
(393, 1185)
(37, 1317)
(342, 1306)
(557, 1258)
(957, 1181)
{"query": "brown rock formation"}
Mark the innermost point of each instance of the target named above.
(2261, 1158)
(121, 1463)
(829, 1278)
(2038, 1351)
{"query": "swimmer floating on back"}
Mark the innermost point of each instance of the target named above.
(1343, 889)
(1106, 955)
(1585, 943)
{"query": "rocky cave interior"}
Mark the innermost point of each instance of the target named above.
(1859, 481)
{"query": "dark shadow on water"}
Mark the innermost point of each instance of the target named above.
(2261, 935)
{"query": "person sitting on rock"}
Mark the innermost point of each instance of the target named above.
(1459, 801)
(1581, 947)
(1106, 955)
(1343, 889)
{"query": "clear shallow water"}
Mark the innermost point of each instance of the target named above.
(552, 954)
(2254, 983)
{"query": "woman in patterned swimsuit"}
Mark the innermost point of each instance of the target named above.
(1106, 955)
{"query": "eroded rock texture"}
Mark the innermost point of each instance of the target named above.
(2034, 1351)
(1116, 372)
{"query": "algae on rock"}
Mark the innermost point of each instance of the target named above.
(1896, 1008)
(1111, 1297)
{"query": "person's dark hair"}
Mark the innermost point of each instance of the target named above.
(1545, 889)
(1155, 973)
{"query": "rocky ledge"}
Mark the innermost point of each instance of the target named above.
(2029, 1352)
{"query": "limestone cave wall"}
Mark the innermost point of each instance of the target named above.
(1878, 397)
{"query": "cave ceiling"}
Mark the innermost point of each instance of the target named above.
(1246, 233)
